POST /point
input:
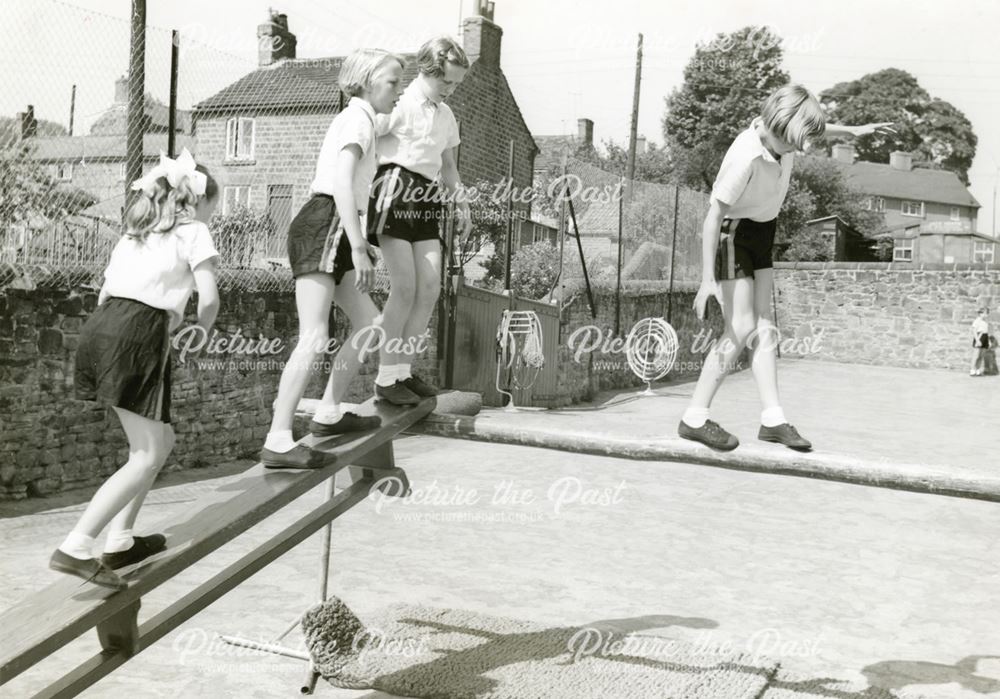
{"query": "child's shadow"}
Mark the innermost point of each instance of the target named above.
(466, 671)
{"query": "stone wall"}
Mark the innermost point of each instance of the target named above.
(50, 442)
(910, 315)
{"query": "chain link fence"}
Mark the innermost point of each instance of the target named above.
(256, 123)
(659, 227)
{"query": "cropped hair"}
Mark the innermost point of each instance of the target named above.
(359, 67)
(793, 114)
(165, 206)
(436, 53)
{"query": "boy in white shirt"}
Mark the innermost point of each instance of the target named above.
(736, 259)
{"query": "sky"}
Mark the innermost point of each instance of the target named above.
(564, 59)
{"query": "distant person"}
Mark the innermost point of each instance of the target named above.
(980, 342)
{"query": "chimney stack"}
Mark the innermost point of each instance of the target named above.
(274, 41)
(844, 153)
(481, 37)
(29, 125)
(585, 133)
(900, 160)
(121, 91)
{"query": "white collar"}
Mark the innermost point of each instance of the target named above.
(764, 152)
(417, 90)
(365, 106)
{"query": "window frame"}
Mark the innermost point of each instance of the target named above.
(987, 247)
(903, 208)
(233, 192)
(241, 146)
(901, 245)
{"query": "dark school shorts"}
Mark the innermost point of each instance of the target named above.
(123, 358)
(744, 247)
(404, 205)
(317, 242)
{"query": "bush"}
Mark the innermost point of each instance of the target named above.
(242, 236)
(534, 269)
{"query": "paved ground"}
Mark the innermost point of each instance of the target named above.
(872, 412)
(861, 591)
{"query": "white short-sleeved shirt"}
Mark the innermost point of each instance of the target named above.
(418, 131)
(159, 271)
(355, 124)
(980, 326)
(750, 180)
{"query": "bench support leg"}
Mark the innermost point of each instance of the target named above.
(120, 633)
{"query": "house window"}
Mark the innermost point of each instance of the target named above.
(955, 214)
(902, 250)
(982, 251)
(233, 196)
(539, 234)
(64, 172)
(874, 204)
(912, 208)
(240, 139)
(121, 172)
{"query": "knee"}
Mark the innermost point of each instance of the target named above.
(428, 291)
(743, 327)
(402, 291)
(313, 340)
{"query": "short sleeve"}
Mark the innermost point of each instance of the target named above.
(354, 128)
(453, 138)
(732, 180)
(200, 246)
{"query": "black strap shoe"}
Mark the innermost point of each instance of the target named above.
(421, 387)
(89, 569)
(397, 394)
(348, 422)
(710, 434)
(300, 456)
(784, 434)
(142, 548)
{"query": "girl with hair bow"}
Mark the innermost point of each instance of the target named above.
(123, 358)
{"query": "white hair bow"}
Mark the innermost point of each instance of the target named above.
(174, 171)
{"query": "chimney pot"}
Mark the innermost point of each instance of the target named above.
(844, 153)
(900, 160)
(274, 41)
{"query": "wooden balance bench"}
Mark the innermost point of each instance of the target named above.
(49, 619)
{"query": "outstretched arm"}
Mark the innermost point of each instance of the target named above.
(881, 127)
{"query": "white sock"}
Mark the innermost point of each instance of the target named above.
(327, 413)
(119, 541)
(695, 417)
(772, 417)
(78, 545)
(280, 441)
(387, 375)
(403, 371)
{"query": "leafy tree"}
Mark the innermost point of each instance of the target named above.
(655, 165)
(818, 189)
(10, 130)
(724, 85)
(930, 128)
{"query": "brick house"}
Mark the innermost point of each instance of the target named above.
(262, 134)
(930, 215)
(95, 163)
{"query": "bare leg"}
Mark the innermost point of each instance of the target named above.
(362, 313)
(737, 308)
(125, 519)
(398, 256)
(313, 297)
(147, 452)
(764, 344)
(427, 265)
